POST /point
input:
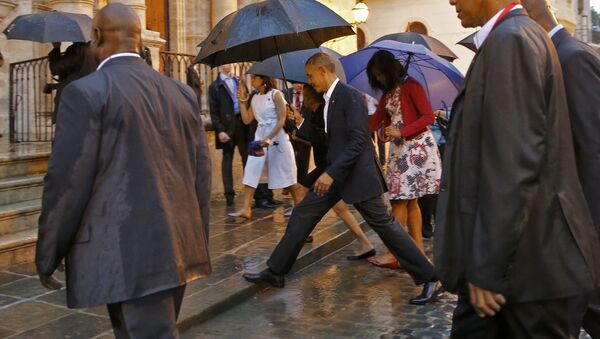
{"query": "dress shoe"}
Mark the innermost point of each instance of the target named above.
(275, 202)
(309, 240)
(431, 292)
(264, 204)
(365, 255)
(266, 276)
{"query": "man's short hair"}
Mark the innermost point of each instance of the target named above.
(322, 60)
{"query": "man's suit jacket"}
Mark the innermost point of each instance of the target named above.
(581, 71)
(351, 160)
(313, 131)
(512, 217)
(221, 108)
(126, 197)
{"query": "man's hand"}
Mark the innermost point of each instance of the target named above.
(223, 137)
(323, 184)
(49, 282)
(486, 303)
(294, 115)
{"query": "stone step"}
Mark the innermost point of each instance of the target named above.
(20, 165)
(17, 248)
(19, 216)
(19, 189)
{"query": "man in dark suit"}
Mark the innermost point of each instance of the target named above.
(581, 71)
(126, 197)
(230, 131)
(514, 237)
(301, 147)
(353, 175)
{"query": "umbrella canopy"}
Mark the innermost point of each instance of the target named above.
(469, 42)
(50, 27)
(264, 29)
(431, 43)
(440, 79)
(293, 63)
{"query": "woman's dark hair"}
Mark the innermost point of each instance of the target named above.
(392, 70)
(267, 81)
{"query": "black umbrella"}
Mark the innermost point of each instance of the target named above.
(264, 29)
(431, 43)
(293, 63)
(469, 42)
(50, 27)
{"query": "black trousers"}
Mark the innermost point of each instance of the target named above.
(584, 311)
(263, 193)
(539, 319)
(307, 214)
(152, 316)
(239, 139)
(302, 155)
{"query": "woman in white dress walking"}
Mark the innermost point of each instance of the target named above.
(278, 164)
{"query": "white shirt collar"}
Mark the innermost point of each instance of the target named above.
(485, 31)
(329, 92)
(555, 30)
(118, 55)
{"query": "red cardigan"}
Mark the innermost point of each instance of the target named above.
(417, 113)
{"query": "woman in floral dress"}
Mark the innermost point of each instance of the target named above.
(414, 166)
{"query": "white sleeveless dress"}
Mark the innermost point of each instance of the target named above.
(280, 169)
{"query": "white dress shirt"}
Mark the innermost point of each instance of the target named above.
(485, 31)
(118, 55)
(327, 96)
(555, 30)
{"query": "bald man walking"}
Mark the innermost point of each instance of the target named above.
(126, 196)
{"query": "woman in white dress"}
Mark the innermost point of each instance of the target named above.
(278, 165)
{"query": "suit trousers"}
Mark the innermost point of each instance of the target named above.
(307, 214)
(530, 320)
(152, 316)
(584, 311)
(239, 139)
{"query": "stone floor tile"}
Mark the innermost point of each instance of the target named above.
(29, 315)
(8, 277)
(73, 326)
(24, 288)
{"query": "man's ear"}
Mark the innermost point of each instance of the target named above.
(98, 36)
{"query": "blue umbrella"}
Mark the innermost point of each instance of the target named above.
(440, 79)
(293, 63)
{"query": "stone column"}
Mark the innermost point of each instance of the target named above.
(150, 39)
(242, 3)
(221, 8)
(197, 17)
(177, 27)
(73, 6)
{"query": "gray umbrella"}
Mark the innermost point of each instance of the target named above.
(430, 43)
(293, 63)
(50, 27)
(264, 29)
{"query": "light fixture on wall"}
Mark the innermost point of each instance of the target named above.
(360, 12)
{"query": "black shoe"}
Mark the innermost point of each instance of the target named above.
(362, 256)
(230, 201)
(266, 276)
(431, 292)
(309, 240)
(275, 202)
(264, 204)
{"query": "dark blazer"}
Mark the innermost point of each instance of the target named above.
(512, 216)
(313, 131)
(351, 159)
(126, 197)
(221, 109)
(581, 71)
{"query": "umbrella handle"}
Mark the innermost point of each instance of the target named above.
(281, 64)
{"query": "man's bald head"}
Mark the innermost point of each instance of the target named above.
(541, 11)
(117, 29)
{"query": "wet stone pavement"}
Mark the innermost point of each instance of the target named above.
(335, 298)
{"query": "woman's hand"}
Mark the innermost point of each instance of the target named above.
(392, 132)
(242, 92)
